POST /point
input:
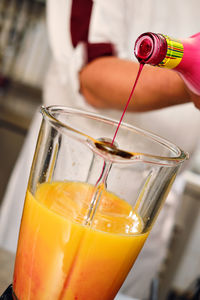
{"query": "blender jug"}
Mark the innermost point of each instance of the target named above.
(89, 206)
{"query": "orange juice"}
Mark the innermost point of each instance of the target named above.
(60, 257)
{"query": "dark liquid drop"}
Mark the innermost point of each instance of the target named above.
(109, 148)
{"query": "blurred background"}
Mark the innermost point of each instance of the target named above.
(24, 59)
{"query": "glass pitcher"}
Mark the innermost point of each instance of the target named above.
(89, 206)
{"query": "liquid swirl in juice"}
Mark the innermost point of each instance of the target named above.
(59, 258)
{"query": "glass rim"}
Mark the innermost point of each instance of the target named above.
(47, 113)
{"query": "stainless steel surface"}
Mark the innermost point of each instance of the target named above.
(6, 269)
(124, 297)
(17, 107)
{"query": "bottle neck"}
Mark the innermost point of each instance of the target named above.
(150, 48)
(174, 55)
(158, 50)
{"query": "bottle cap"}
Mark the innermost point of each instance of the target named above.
(150, 48)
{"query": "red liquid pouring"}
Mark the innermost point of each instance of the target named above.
(107, 166)
(129, 99)
(105, 170)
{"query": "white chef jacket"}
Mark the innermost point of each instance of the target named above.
(118, 22)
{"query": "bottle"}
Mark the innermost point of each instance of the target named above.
(182, 56)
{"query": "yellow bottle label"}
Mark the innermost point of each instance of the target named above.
(174, 54)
